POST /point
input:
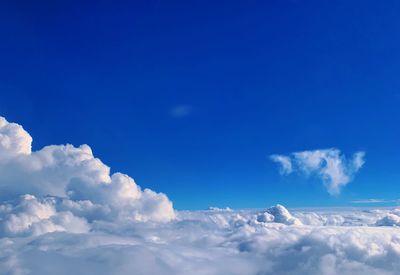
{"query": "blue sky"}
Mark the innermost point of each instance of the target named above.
(191, 98)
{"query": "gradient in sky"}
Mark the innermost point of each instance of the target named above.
(192, 97)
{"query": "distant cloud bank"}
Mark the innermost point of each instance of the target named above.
(330, 165)
(367, 201)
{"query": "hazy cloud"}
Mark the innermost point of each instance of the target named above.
(285, 163)
(180, 111)
(374, 201)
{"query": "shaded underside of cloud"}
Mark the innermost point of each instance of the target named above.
(330, 165)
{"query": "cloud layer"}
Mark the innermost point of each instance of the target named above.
(330, 165)
(273, 241)
(61, 212)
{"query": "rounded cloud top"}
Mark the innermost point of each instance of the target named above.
(45, 188)
(278, 214)
(14, 140)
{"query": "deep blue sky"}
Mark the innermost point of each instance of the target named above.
(254, 78)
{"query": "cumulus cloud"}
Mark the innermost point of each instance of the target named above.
(14, 140)
(329, 164)
(214, 242)
(278, 214)
(73, 174)
(30, 216)
(62, 212)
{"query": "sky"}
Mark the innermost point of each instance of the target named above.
(191, 98)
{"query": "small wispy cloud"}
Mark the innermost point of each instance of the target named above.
(179, 111)
(328, 164)
(285, 163)
(362, 201)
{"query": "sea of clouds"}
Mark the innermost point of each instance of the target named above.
(61, 212)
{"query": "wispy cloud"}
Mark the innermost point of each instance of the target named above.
(179, 111)
(328, 164)
(362, 201)
(285, 163)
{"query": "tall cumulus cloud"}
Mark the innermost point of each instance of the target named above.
(43, 188)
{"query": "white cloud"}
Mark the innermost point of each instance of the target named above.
(13, 139)
(285, 163)
(373, 201)
(278, 214)
(72, 173)
(358, 160)
(328, 164)
(30, 216)
(216, 242)
(61, 212)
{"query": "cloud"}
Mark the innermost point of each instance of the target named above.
(389, 220)
(285, 163)
(62, 212)
(332, 242)
(180, 111)
(30, 216)
(372, 201)
(278, 214)
(14, 140)
(73, 174)
(328, 164)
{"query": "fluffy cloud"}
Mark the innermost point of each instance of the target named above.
(13, 139)
(30, 216)
(72, 174)
(61, 212)
(329, 164)
(278, 214)
(210, 242)
(389, 220)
